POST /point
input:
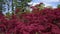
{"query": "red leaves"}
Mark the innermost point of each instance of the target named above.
(46, 21)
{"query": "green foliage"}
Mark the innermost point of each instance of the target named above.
(22, 5)
(28, 0)
(1, 0)
(58, 6)
(41, 6)
(1, 5)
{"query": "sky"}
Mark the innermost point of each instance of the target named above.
(52, 3)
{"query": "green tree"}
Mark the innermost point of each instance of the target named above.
(58, 6)
(1, 2)
(21, 3)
